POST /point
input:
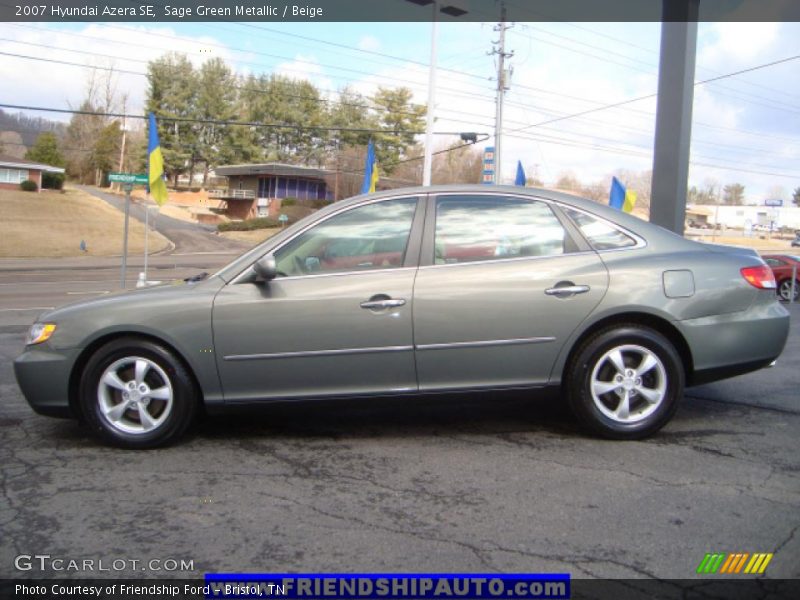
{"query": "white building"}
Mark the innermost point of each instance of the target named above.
(742, 217)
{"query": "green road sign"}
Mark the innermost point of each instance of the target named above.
(283, 218)
(134, 178)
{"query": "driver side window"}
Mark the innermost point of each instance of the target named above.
(369, 237)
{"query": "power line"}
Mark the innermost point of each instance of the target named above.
(130, 72)
(206, 121)
(112, 69)
(147, 62)
(655, 95)
(628, 44)
(563, 117)
(615, 150)
(653, 69)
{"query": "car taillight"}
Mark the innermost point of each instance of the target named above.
(760, 277)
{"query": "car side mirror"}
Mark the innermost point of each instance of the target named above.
(265, 267)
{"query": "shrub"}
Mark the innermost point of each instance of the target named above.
(250, 224)
(28, 186)
(288, 202)
(53, 181)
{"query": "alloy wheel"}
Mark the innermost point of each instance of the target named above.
(135, 395)
(628, 383)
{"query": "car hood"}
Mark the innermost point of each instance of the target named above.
(145, 298)
(172, 312)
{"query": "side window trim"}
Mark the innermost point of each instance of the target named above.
(640, 242)
(415, 236)
(572, 230)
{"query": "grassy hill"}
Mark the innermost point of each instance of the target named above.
(52, 224)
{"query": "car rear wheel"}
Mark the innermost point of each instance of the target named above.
(785, 290)
(136, 394)
(625, 382)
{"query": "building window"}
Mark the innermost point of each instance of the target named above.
(13, 175)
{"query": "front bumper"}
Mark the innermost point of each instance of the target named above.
(733, 344)
(43, 376)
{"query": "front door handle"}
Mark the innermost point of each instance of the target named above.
(567, 290)
(381, 304)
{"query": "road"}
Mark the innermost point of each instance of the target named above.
(474, 483)
(56, 281)
(30, 286)
(187, 237)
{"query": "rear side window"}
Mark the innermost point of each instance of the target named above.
(477, 228)
(600, 234)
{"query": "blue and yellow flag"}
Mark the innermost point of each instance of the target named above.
(620, 198)
(155, 165)
(370, 171)
(520, 179)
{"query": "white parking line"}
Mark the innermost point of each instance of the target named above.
(210, 252)
(88, 292)
(27, 309)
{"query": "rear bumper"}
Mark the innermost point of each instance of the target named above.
(43, 376)
(724, 346)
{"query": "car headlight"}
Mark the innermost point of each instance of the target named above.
(40, 332)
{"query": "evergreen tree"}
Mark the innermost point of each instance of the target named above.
(216, 101)
(105, 154)
(172, 94)
(45, 150)
(400, 120)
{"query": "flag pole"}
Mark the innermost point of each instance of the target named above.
(146, 231)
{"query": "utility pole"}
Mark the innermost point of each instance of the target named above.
(427, 164)
(502, 86)
(122, 148)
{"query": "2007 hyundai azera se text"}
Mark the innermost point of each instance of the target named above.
(424, 290)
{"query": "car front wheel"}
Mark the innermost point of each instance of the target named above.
(136, 394)
(625, 382)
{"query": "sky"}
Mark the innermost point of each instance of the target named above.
(745, 129)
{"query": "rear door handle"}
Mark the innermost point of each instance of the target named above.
(567, 290)
(381, 304)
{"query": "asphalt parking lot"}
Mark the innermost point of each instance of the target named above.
(490, 483)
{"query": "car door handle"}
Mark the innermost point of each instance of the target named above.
(380, 304)
(567, 290)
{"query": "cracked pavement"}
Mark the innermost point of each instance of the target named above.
(478, 483)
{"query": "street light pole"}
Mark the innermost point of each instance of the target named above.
(429, 116)
(452, 8)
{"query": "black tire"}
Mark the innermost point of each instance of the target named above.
(591, 363)
(166, 419)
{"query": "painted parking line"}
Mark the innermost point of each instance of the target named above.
(101, 292)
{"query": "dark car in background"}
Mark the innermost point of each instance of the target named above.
(784, 267)
(448, 289)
